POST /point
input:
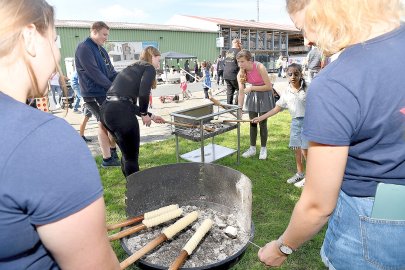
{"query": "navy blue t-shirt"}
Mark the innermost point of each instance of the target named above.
(358, 101)
(46, 174)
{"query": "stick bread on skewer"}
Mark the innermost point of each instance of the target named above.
(166, 234)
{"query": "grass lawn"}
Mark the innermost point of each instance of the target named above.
(273, 198)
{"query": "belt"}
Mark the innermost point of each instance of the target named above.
(120, 98)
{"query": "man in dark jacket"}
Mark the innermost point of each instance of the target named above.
(231, 70)
(96, 74)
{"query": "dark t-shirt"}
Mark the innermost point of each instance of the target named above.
(135, 81)
(46, 174)
(357, 103)
(231, 67)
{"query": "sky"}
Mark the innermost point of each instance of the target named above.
(160, 11)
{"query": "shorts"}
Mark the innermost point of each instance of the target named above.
(93, 104)
(296, 138)
(86, 111)
(354, 240)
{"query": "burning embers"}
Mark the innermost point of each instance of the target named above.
(205, 236)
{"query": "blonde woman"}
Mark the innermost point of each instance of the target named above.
(355, 124)
(52, 213)
(254, 82)
(127, 98)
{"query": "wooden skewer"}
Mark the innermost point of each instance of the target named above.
(191, 244)
(179, 261)
(217, 103)
(189, 125)
(147, 223)
(231, 121)
(139, 218)
(167, 233)
(127, 232)
(125, 223)
(148, 247)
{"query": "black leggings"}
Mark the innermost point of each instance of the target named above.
(253, 130)
(120, 119)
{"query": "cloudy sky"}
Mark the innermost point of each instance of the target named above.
(160, 11)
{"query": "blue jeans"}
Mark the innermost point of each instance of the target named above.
(55, 89)
(355, 241)
(76, 89)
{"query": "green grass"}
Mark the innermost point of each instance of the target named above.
(273, 198)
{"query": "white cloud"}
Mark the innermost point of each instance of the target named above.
(117, 13)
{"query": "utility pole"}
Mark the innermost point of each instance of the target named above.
(258, 10)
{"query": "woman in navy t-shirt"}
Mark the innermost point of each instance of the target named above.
(357, 135)
(52, 213)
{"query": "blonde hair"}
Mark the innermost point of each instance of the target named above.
(339, 24)
(16, 15)
(242, 73)
(294, 6)
(146, 55)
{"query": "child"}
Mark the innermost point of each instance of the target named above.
(206, 78)
(183, 87)
(254, 82)
(293, 100)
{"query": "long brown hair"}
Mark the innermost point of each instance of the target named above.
(248, 56)
(16, 15)
(146, 55)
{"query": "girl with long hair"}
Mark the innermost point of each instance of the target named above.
(131, 87)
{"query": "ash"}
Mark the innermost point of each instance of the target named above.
(214, 247)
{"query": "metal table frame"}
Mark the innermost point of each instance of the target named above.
(203, 119)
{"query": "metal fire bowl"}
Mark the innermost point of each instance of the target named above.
(201, 184)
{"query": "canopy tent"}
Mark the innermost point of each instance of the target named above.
(173, 56)
(176, 55)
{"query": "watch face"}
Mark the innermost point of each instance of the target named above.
(285, 249)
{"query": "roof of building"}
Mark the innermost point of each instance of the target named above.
(246, 24)
(125, 25)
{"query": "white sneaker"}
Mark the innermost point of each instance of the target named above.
(300, 184)
(249, 153)
(295, 178)
(263, 153)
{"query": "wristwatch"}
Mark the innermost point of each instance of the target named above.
(286, 250)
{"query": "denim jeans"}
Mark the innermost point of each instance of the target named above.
(55, 89)
(76, 89)
(355, 241)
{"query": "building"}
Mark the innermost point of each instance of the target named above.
(126, 40)
(202, 37)
(266, 41)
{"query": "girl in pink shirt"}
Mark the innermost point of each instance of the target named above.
(254, 82)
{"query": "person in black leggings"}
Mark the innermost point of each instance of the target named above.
(118, 113)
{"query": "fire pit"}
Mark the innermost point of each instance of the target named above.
(207, 187)
(200, 117)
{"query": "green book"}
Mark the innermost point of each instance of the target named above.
(389, 202)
